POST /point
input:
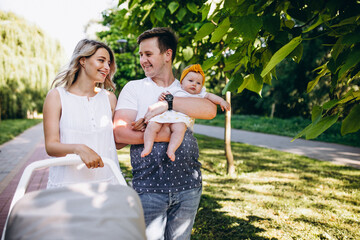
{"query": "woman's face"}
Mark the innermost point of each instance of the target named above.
(97, 67)
(192, 83)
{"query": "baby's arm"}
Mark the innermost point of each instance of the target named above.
(218, 100)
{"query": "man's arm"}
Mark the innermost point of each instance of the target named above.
(199, 108)
(124, 132)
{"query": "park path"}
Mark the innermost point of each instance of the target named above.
(336, 153)
(28, 147)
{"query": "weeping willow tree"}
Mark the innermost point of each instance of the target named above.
(29, 61)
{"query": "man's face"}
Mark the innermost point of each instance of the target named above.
(151, 60)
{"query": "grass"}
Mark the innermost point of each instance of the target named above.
(285, 127)
(13, 127)
(274, 195)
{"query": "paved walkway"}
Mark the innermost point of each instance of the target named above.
(15, 155)
(335, 153)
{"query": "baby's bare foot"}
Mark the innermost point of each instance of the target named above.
(171, 155)
(145, 152)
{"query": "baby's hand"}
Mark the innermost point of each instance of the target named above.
(139, 125)
(225, 105)
(162, 96)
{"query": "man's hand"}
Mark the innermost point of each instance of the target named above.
(139, 125)
(155, 109)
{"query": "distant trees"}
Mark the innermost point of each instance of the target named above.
(29, 61)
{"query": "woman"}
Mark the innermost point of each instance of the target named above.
(78, 115)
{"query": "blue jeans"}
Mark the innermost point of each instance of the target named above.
(170, 216)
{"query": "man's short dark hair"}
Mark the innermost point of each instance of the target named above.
(166, 39)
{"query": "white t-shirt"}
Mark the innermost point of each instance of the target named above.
(138, 95)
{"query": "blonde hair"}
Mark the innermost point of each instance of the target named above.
(193, 68)
(85, 48)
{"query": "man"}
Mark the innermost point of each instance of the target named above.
(169, 191)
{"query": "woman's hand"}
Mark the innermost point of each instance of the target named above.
(89, 156)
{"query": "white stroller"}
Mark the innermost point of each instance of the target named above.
(80, 211)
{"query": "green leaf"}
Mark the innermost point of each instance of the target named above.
(352, 121)
(321, 126)
(205, 11)
(188, 53)
(245, 83)
(255, 83)
(173, 6)
(220, 31)
(204, 31)
(192, 7)
(313, 83)
(319, 21)
(330, 104)
(181, 14)
(210, 62)
(316, 114)
(234, 83)
(289, 24)
(160, 13)
(337, 48)
(247, 26)
(296, 55)
(352, 59)
(281, 54)
(271, 23)
(302, 132)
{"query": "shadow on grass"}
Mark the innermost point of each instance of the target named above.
(210, 223)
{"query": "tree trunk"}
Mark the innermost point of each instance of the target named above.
(227, 137)
(272, 110)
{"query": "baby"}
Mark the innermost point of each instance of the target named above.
(191, 81)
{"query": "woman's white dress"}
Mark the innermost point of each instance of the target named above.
(87, 121)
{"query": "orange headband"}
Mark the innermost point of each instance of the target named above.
(193, 68)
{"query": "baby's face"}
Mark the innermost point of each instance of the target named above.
(192, 83)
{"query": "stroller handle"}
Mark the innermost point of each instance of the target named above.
(60, 161)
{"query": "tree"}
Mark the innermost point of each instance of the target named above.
(260, 34)
(29, 61)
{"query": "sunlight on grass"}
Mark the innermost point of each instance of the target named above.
(274, 195)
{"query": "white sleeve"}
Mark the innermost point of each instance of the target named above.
(127, 97)
(203, 92)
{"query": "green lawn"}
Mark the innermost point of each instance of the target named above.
(285, 127)
(13, 127)
(275, 195)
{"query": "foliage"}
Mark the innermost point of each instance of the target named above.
(28, 63)
(246, 40)
(283, 127)
(139, 15)
(275, 195)
(261, 34)
(10, 128)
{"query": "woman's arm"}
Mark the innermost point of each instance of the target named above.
(53, 146)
